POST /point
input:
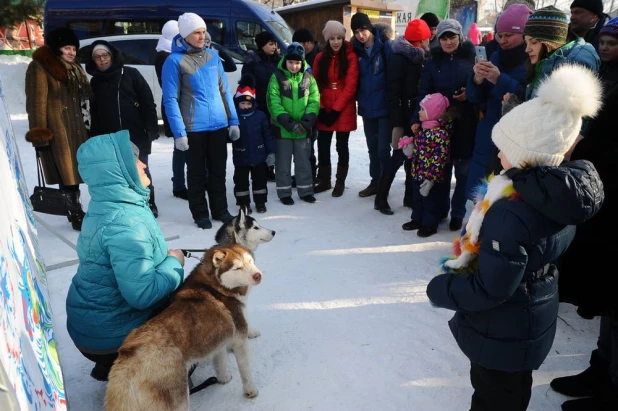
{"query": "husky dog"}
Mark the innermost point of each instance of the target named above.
(205, 315)
(248, 231)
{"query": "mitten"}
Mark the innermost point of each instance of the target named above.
(299, 129)
(181, 143)
(425, 188)
(270, 160)
(322, 115)
(307, 121)
(153, 135)
(408, 150)
(510, 103)
(406, 145)
(286, 121)
(234, 133)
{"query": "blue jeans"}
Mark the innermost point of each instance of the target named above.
(459, 198)
(378, 135)
(179, 160)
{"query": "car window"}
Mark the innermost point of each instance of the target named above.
(216, 29)
(245, 33)
(97, 28)
(138, 52)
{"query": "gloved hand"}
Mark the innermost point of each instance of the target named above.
(153, 135)
(234, 133)
(40, 149)
(299, 129)
(322, 115)
(331, 117)
(270, 160)
(425, 187)
(408, 150)
(181, 143)
(406, 144)
(307, 121)
(286, 121)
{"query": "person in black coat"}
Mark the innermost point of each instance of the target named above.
(503, 281)
(122, 100)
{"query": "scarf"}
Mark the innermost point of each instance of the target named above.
(514, 57)
(466, 247)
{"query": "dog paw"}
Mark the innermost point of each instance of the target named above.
(224, 378)
(252, 392)
(253, 333)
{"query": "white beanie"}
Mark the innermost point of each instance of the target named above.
(169, 30)
(101, 47)
(540, 131)
(188, 23)
(333, 28)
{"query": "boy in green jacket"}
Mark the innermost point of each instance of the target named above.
(293, 100)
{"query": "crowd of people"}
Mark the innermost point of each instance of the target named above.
(524, 132)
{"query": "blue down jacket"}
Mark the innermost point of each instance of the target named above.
(124, 271)
(506, 310)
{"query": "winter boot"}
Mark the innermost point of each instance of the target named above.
(74, 207)
(380, 203)
(151, 203)
(585, 383)
(324, 173)
(342, 174)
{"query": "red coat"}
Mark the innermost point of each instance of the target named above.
(339, 94)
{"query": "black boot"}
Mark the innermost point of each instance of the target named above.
(324, 174)
(151, 203)
(585, 383)
(380, 203)
(342, 174)
(407, 196)
(74, 207)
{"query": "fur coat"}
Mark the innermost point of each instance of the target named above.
(55, 92)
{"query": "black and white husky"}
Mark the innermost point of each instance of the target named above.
(248, 231)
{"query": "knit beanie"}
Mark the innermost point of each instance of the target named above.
(431, 19)
(610, 28)
(333, 28)
(360, 21)
(513, 19)
(548, 25)
(529, 3)
(169, 30)
(295, 52)
(540, 131)
(188, 23)
(245, 92)
(60, 37)
(417, 30)
(101, 47)
(435, 105)
(449, 26)
(302, 35)
(595, 6)
(263, 38)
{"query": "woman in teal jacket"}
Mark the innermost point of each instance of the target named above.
(125, 271)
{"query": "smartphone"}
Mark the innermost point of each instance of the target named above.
(481, 54)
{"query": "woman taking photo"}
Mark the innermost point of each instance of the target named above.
(336, 72)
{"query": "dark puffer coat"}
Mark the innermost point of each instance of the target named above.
(261, 67)
(122, 101)
(256, 139)
(506, 310)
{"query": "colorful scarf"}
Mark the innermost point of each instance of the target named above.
(466, 247)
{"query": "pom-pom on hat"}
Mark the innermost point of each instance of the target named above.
(302, 35)
(513, 19)
(431, 19)
(540, 131)
(610, 28)
(360, 21)
(595, 6)
(333, 28)
(188, 23)
(263, 38)
(435, 105)
(548, 25)
(245, 92)
(417, 30)
(449, 26)
(60, 37)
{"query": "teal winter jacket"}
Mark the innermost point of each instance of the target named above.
(124, 272)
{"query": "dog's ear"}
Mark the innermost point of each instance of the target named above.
(242, 214)
(234, 238)
(218, 257)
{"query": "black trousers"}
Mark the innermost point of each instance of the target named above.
(500, 390)
(207, 155)
(324, 142)
(258, 184)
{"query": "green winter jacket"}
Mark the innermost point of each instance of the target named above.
(124, 273)
(293, 98)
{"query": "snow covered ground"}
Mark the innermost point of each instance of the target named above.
(345, 321)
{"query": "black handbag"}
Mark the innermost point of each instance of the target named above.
(48, 200)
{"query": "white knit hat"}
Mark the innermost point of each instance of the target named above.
(333, 28)
(540, 131)
(188, 23)
(101, 47)
(168, 32)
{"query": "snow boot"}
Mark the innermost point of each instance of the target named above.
(342, 174)
(380, 203)
(324, 173)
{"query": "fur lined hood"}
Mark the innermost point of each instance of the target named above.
(405, 48)
(51, 63)
(385, 30)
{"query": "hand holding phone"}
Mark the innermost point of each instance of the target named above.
(481, 53)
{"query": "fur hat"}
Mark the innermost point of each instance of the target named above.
(417, 30)
(610, 28)
(595, 6)
(60, 37)
(548, 25)
(431, 19)
(263, 38)
(333, 28)
(540, 131)
(513, 19)
(295, 52)
(168, 32)
(449, 26)
(434, 105)
(360, 21)
(188, 23)
(302, 35)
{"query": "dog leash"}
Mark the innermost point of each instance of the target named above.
(189, 252)
(207, 383)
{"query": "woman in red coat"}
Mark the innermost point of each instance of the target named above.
(336, 72)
